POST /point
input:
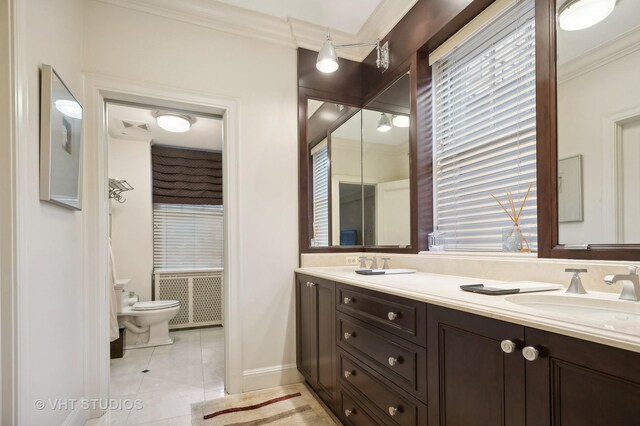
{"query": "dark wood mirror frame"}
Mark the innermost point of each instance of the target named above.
(547, 151)
(427, 25)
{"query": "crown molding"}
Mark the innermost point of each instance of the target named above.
(608, 52)
(289, 32)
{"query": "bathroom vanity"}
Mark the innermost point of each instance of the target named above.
(416, 350)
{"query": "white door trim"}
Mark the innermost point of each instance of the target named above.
(98, 88)
(612, 155)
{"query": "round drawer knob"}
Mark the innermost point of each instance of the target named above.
(310, 284)
(392, 316)
(393, 411)
(347, 374)
(348, 412)
(348, 335)
(392, 361)
(507, 346)
(346, 300)
(530, 353)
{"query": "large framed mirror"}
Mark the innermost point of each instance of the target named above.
(359, 171)
(597, 146)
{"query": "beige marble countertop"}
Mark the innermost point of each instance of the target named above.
(444, 290)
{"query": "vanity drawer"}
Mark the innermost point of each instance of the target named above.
(400, 361)
(352, 412)
(403, 317)
(387, 402)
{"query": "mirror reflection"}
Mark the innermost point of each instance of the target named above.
(359, 171)
(385, 166)
(598, 93)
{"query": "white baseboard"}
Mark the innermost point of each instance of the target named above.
(268, 377)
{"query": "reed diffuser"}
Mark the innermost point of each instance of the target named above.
(512, 237)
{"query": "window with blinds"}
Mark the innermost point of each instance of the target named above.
(485, 129)
(187, 236)
(320, 160)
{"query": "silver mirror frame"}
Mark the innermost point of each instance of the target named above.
(48, 75)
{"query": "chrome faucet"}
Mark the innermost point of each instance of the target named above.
(576, 283)
(630, 284)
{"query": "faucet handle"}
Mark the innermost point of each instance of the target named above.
(575, 270)
(633, 269)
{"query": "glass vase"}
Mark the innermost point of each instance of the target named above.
(512, 239)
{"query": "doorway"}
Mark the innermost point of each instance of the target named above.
(166, 222)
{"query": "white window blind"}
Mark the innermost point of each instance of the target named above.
(187, 236)
(320, 160)
(485, 127)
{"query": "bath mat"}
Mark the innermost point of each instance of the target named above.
(283, 405)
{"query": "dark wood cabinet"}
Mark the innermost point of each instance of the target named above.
(427, 364)
(471, 380)
(575, 382)
(315, 335)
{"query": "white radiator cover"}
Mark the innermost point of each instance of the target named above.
(199, 292)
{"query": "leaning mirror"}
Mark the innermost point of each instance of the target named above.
(598, 102)
(386, 167)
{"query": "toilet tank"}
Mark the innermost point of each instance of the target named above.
(121, 290)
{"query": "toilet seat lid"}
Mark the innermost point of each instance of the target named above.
(155, 305)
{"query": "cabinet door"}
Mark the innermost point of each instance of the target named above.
(471, 381)
(575, 382)
(326, 346)
(306, 329)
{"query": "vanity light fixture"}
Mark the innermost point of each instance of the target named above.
(400, 120)
(384, 124)
(327, 61)
(171, 122)
(577, 15)
(69, 108)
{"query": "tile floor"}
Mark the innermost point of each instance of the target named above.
(191, 370)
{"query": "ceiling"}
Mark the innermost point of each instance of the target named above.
(341, 15)
(291, 23)
(623, 19)
(133, 122)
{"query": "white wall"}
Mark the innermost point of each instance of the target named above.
(131, 45)
(132, 221)
(50, 307)
(583, 102)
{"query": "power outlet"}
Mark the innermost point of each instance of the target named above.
(352, 260)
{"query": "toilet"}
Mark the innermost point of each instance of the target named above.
(147, 323)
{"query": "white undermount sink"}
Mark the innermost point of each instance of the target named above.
(611, 314)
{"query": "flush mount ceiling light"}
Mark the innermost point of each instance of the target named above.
(577, 15)
(69, 108)
(171, 122)
(384, 124)
(327, 61)
(400, 120)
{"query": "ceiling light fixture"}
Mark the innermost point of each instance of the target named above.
(327, 61)
(577, 15)
(400, 120)
(384, 124)
(69, 108)
(171, 122)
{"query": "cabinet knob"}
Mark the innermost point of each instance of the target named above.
(348, 412)
(392, 316)
(347, 374)
(508, 346)
(346, 300)
(392, 361)
(530, 353)
(348, 335)
(393, 411)
(310, 284)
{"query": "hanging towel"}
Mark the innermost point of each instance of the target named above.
(113, 317)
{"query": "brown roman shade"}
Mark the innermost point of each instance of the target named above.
(186, 176)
